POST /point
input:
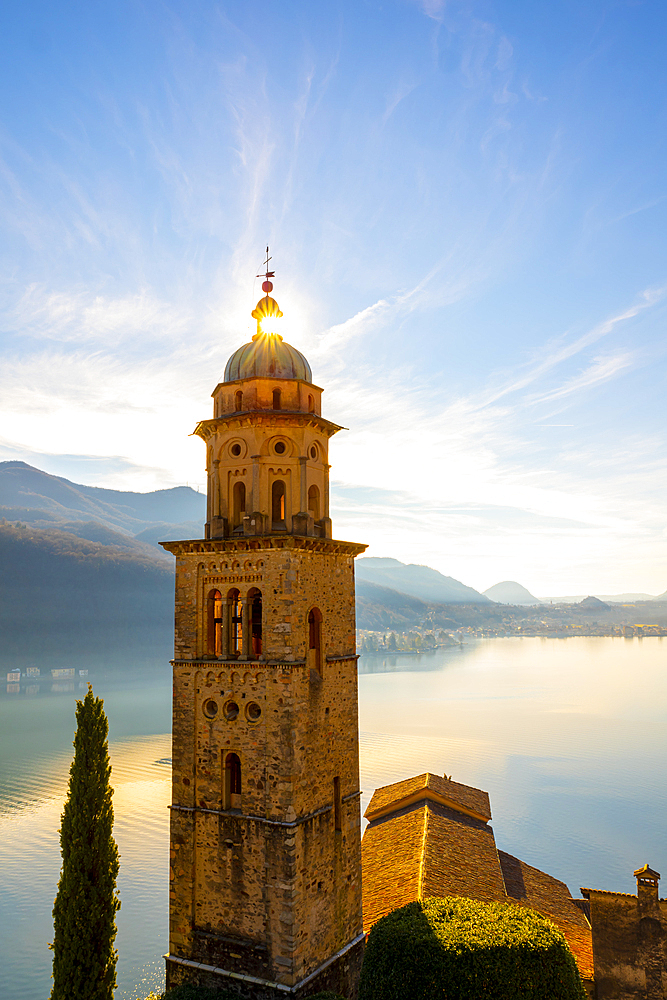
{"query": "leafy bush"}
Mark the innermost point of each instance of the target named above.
(461, 949)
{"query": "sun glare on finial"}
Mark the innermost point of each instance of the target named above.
(267, 312)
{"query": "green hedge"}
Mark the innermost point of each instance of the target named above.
(460, 949)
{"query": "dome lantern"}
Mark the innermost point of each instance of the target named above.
(267, 355)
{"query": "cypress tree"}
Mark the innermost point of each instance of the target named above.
(84, 912)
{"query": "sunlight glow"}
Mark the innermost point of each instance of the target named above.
(272, 325)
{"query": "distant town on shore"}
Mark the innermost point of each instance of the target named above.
(90, 557)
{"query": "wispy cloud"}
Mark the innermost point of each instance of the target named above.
(70, 317)
(600, 370)
(434, 9)
(403, 89)
(560, 350)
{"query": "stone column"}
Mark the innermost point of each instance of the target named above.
(209, 485)
(325, 498)
(303, 482)
(226, 626)
(245, 625)
(215, 484)
(255, 483)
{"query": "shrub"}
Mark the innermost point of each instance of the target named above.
(461, 949)
(84, 911)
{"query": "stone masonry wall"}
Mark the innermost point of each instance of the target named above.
(270, 888)
(629, 945)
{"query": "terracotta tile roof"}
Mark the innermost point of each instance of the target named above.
(471, 801)
(391, 863)
(416, 847)
(606, 892)
(528, 886)
(459, 857)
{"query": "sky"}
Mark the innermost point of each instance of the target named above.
(466, 206)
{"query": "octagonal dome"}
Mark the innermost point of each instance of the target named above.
(268, 355)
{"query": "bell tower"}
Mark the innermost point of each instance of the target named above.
(265, 876)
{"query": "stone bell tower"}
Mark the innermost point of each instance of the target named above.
(265, 879)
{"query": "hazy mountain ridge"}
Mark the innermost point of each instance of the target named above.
(418, 581)
(27, 492)
(86, 573)
(630, 598)
(510, 592)
(381, 607)
(59, 592)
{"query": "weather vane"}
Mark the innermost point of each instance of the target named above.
(266, 284)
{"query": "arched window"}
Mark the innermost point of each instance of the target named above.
(235, 623)
(314, 502)
(214, 634)
(239, 503)
(255, 599)
(315, 639)
(311, 404)
(231, 782)
(278, 503)
(239, 400)
(276, 399)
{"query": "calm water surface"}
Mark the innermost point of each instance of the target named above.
(569, 738)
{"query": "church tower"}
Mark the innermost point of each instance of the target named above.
(265, 876)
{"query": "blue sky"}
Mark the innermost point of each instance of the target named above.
(466, 203)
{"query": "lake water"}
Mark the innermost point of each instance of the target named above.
(568, 736)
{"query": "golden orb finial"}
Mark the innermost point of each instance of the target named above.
(266, 307)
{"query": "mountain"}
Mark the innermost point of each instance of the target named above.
(80, 571)
(417, 581)
(380, 607)
(510, 592)
(61, 594)
(593, 604)
(35, 497)
(613, 598)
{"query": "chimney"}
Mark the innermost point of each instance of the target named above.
(647, 888)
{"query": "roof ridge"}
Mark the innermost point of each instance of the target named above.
(422, 855)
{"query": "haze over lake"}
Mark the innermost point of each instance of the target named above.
(567, 736)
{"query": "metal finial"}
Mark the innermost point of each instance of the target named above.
(266, 284)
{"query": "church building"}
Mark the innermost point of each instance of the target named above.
(265, 877)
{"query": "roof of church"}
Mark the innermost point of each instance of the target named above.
(417, 846)
(270, 356)
(267, 355)
(433, 787)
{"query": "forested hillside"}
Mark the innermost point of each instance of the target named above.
(29, 495)
(59, 593)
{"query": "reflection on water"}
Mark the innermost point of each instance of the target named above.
(35, 754)
(567, 736)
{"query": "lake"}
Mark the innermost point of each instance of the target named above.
(568, 736)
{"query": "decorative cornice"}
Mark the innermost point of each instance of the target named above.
(225, 661)
(205, 429)
(264, 378)
(249, 543)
